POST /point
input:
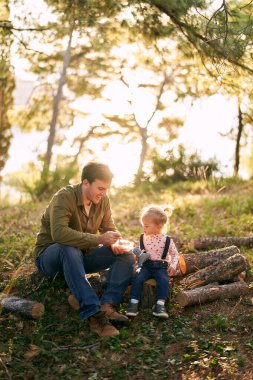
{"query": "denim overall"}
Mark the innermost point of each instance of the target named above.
(156, 269)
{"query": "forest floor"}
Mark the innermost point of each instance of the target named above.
(208, 341)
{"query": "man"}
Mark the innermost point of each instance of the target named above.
(69, 244)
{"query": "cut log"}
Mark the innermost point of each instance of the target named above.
(199, 260)
(212, 292)
(221, 272)
(218, 242)
(148, 297)
(28, 308)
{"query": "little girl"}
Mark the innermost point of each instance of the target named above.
(162, 259)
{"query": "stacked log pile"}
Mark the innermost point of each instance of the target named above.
(206, 276)
(213, 275)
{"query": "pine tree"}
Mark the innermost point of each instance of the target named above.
(6, 86)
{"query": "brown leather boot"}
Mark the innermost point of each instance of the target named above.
(100, 324)
(113, 315)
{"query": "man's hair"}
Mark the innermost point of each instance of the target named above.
(96, 170)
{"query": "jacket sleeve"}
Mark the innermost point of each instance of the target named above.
(62, 207)
(107, 223)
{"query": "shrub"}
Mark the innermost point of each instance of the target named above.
(179, 166)
(38, 187)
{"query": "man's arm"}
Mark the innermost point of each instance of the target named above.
(62, 208)
(107, 223)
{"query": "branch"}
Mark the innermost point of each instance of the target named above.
(226, 20)
(75, 348)
(130, 101)
(41, 85)
(25, 44)
(212, 17)
(246, 5)
(165, 80)
(4, 24)
(83, 139)
(183, 27)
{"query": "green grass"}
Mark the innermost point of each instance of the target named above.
(200, 342)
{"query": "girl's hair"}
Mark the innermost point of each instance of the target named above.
(158, 214)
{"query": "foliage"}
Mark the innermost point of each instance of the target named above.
(217, 33)
(162, 30)
(30, 181)
(80, 64)
(180, 166)
(7, 85)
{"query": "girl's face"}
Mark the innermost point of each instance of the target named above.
(150, 227)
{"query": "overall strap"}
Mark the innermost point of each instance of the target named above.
(141, 243)
(166, 247)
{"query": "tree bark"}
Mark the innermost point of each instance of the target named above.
(199, 260)
(238, 141)
(56, 104)
(212, 292)
(144, 131)
(28, 308)
(221, 272)
(219, 242)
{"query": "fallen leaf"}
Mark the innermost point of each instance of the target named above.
(20, 325)
(34, 351)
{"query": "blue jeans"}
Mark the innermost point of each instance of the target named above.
(155, 270)
(73, 265)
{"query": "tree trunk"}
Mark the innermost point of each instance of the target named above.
(238, 141)
(7, 84)
(144, 149)
(212, 292)
(223, 271)
(199, 260)
(56, 105)
(144, 131)
(28, 308)
(218, 242)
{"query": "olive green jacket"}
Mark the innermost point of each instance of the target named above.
(66, 222)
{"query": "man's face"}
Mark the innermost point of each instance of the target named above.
(96, 190)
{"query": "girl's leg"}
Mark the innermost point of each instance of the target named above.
(141, 276)
(162, 283)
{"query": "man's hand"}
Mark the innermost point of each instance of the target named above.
(122, 246)
(109, 238)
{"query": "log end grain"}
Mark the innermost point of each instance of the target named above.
(182, 264)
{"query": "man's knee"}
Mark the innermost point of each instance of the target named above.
(127, 257)
(71, 253)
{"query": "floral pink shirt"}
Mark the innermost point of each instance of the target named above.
(154, 244)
